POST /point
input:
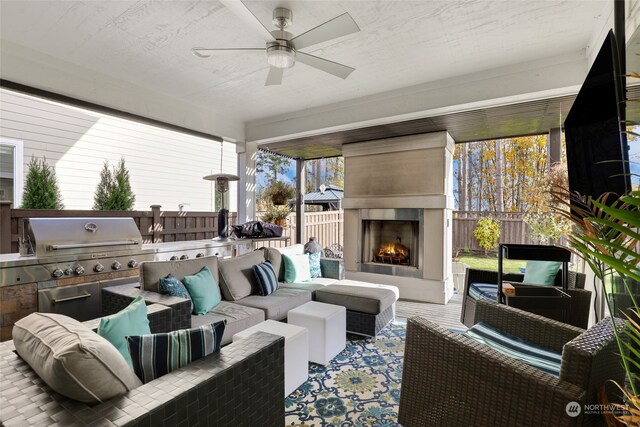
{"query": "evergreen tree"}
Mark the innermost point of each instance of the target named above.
(114, 190)
(41, 189)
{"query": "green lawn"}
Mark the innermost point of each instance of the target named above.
(490, 262)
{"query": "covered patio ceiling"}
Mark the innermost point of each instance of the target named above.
(477, 68)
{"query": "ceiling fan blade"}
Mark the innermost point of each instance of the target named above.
(241, 11)
(274, 77)
(325, 65)
(334, 28)
(204, 52)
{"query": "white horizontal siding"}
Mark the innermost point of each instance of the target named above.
(165, 167)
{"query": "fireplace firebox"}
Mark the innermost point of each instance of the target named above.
(391, 241)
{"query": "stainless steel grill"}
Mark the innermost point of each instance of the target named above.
(71, 259)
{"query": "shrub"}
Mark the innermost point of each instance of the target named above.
(487, 232)
(114, 189)
(279, 192)
(41, 189)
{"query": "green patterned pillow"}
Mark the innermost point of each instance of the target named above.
(314, 265)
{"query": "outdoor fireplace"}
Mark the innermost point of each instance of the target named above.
(390, 241)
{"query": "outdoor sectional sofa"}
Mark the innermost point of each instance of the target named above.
(369, 306)
(240, 385)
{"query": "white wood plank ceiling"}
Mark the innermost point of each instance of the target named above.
(135, 56)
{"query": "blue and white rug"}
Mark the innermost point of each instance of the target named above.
(360, 387)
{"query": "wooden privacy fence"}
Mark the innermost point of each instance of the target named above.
(513, 229)
(155, 225)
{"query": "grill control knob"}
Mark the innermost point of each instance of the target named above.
(173, 258)
(79, 269)
(199, 255)
(68, 271)
(184, 257)
(116, 265)
(57, 273)
(98, 268)
(133, 263)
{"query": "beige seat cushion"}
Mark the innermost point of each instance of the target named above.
(277, 304)
(72, 359)
(236, 275)
(152, 271)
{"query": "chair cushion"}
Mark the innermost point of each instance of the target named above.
(238, 318)
(296, 268)
(236, 275)
(72, 359)
(152, 271)
(483, 291)
(204, 291)
(541, 272)
(539, 357)
(266, 277)
(154, 355)
(131, 320)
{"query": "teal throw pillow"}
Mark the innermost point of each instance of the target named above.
(541, 272)
(204, 291)
(130, 321)
(296, 268)
(154, 355)
(171, 285)
(314, 265)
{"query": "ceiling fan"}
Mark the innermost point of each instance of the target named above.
(282, 48)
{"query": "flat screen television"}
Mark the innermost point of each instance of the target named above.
(597, 151)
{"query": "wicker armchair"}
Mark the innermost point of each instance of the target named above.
(580, 297)
(450, 380)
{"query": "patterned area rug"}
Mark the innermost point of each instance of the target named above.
(360, 387)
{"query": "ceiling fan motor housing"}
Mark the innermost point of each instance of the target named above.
(282, 17)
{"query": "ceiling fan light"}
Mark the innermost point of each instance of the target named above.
(281, 56)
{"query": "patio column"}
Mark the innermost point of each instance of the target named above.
(554, 146)
(247, 153)
(300, 190)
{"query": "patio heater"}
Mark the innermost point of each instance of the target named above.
(222, 186)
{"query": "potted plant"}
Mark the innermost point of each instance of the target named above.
(277, 215)
(279, 192)
(607, 236)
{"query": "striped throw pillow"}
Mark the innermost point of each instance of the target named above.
(154, 355)
(266, 277)
(539, 357)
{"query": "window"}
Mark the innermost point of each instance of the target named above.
(11, 171)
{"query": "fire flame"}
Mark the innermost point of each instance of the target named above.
(394, 250)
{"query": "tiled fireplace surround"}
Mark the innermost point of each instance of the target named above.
(411, 175)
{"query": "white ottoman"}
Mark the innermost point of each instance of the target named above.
(327, 324)
(296, 350)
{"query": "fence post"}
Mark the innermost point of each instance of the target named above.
(5, 227)
(156, 225)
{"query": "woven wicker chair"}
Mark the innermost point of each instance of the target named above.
(450, 380)
(580, 297)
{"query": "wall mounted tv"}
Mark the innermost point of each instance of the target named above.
(597, 151)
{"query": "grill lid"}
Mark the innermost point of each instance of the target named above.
(48, 237)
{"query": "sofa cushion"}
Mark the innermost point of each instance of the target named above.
(276, 305)
(357, 298)
(539, 357)
(155, 355)
(238, 318)
(72, 359)
(236, 275)
(204, 291)
(541, 272)
(131, 320)
(350, 282)
(266, 278)
(483, 291)
(152, 271)
(296, 268)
